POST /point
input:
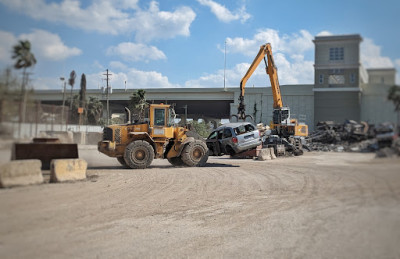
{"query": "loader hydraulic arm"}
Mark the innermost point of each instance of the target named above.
(265, 51)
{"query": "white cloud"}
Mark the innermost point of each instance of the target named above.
(134, 78)
(129, 51)
(397, 62)
(46, 83)
(289, 54)
(155, 24)
(49, 46)
(296, 43)
(371, 56)
(118, 65)
(232, 77)
(223, 14)
(45, 45)
(7, 40)
(298, 71)
(126, 4)
(148, 79)
(325, 33)
(110, 17)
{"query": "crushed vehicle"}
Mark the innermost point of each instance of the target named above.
(233, 138)
(135, 145)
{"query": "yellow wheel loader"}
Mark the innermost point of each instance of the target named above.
(135, 145)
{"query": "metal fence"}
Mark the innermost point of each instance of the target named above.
(36, 119)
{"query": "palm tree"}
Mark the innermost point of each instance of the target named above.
(74, 105)
(71, 82)
(24, 59)
(82, 98)
(94, 110)
(138, 103)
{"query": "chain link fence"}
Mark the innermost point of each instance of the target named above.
(41, 120)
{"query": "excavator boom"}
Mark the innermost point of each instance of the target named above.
(265, 51)
(281, 121)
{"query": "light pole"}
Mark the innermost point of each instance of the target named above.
(63, 84)
(224, 66)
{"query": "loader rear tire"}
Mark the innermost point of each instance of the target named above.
(139, 154)
(195, 153)
(176, 161)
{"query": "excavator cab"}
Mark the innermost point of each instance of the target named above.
(281, 115)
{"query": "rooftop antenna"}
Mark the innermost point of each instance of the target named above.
(125, 85)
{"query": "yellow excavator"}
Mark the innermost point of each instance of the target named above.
(281, 125)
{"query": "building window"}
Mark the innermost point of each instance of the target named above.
(336, 53)
(352, 78)
(336, 80)
(336, 71)
(321, 79)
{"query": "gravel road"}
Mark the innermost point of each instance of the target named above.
(320, 205)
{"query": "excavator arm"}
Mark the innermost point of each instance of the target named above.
(265, 53)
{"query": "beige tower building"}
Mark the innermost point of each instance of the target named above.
(343, 89)
(338, 77)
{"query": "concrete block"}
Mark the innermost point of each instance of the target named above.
(265, 154)
(21, 172)
(272, 152)
(62, 170)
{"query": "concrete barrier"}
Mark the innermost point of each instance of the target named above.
(272, 152)
(265, 154)
(21, 172)
(62, 170)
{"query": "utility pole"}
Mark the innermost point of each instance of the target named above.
(63, 104)
(108, 102)
(224, 66)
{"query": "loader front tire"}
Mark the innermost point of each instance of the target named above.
(176, 161)
(195, 153)
(121, 160)
(139, 154)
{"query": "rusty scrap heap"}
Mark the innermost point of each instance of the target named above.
(352, 136)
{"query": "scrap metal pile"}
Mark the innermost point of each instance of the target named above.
(352, 136)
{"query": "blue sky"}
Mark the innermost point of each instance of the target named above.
(171, 43)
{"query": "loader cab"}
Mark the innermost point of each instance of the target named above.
(161, 121)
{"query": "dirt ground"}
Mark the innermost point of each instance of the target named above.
(320, 205)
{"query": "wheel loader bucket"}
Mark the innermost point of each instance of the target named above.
(44, 151)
